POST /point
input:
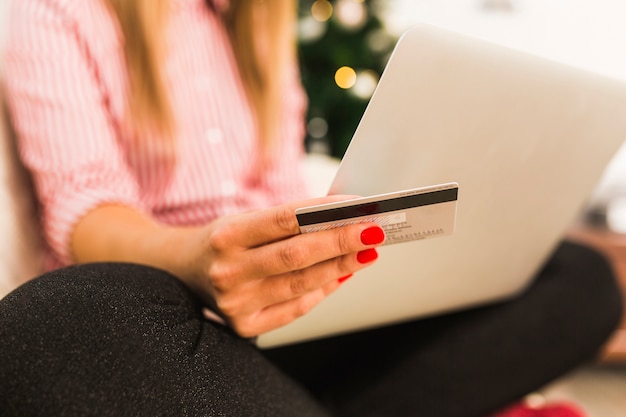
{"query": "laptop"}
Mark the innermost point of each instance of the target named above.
(526, 140)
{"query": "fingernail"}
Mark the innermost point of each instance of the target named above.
(367, 256)
(372, 235)
(343, 279)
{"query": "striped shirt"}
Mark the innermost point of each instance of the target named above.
(66, 88)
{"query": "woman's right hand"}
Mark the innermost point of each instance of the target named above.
(261, 273)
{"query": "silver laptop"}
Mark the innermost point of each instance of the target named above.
(525, 138)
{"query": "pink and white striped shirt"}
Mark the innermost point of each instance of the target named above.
(66, 87)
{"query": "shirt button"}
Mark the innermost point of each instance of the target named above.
(214, 136)
(229, 188)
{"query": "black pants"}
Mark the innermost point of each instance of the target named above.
(128, 340)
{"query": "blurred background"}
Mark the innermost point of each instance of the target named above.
(344, 45)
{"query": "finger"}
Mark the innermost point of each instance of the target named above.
(281, 288)
(279, 315)
(302, 251)
(262, 293)
(265, 226)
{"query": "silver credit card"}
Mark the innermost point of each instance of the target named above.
(418, 213)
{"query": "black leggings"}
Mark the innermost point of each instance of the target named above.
(128, 340)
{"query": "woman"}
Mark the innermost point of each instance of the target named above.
(164, 139)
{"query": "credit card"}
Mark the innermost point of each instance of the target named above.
(414, 214)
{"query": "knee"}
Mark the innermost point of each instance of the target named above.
(589, 291)
(72, 337)
(97, 283)
(598, 281)
(93, 300)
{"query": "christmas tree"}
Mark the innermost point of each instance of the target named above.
(343, 49)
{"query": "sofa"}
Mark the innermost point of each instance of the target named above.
(20, 243)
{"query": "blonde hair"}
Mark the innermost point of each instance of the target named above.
(261, 33)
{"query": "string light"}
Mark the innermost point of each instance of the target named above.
(310, 30)
(345, 77)
(351, 14)
(321, 10)
(379, 40)
(317, 127)
(366, 82)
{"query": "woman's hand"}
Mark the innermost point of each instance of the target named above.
(261, 273)
(255, 268)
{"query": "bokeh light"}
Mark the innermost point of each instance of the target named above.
(366, 82)
(379, 40)
(321, 10)
(317, 127)
(351, 14)
(310, 29)
(345, 77)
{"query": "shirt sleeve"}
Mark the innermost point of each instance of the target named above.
(58, 107)
(284, 179)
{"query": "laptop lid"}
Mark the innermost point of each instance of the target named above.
(525, 138)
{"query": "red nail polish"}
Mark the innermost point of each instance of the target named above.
(367, 256)
(372, 235)
(344, 279)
